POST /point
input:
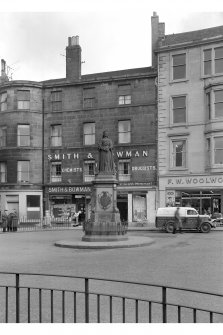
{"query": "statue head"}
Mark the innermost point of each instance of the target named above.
(105, 133)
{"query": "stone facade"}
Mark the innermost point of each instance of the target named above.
(190, 169)
(59, 152)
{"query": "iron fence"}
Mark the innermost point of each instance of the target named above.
(105, 228)
(25, 224)
(49, 298)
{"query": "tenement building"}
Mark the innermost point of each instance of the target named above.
(49, 133)
(190, 118)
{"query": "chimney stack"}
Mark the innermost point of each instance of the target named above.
(158, 32)
(73, 59)
(3, 76)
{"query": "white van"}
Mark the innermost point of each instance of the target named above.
(165, 219)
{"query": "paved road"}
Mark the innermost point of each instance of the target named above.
(192, 260)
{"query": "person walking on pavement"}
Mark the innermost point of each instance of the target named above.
(4, 221)
(177, 221)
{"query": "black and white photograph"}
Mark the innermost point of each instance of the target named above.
(111, 165)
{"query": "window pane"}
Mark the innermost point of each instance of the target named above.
(179, 72)
(207, 54)
(124, 131)
(208, 148)
(207, 67)
(179, 159)
(179, 59)
(23, 135)
(56, 96)
(179, 102)
(179, 115)
(218, 96)
(23, 129)
(89, 102)
(219, 66)
(2, 172)
(89, 139)
(124, 126)
(128, 99)
(121, 100)
(56, 141)
(208, 105)
(33, 200)
(124, 138)
(2, 136)
(89, 128)
(23, 171)
(56, 135)
(179, 109)
(56, 106)
(23, 95)
(219, 150)
(89, 133)
(3, 97)
(124, 170)
(219, 109)
(218, 52)
(56, 172)
(23, 104)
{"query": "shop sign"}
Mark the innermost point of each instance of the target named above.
(70, 189)
(136, 184)
(71, 170)
(193, 181)
(144, 168)
(119, 154)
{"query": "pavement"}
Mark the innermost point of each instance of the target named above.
(130, 242)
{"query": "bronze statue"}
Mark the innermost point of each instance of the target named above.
(106, 160)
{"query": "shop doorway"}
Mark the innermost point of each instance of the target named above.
(122, 204)
(12, 204)
(81, 207)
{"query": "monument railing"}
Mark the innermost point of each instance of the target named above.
(50, 298)
(104, 227)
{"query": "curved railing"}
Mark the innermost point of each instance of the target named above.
(34, 297)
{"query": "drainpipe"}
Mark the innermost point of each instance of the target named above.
(43, 161)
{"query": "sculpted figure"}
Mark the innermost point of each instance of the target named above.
(106, 160)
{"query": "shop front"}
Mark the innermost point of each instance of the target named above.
(64, 202)
(27, 205)
(137, 203)
(202, 192)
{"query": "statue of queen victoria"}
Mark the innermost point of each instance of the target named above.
(106, 160)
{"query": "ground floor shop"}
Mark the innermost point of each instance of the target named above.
(69, 202)
(136, 204)
(202, 192)
(26, 204)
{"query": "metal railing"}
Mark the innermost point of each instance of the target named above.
(49, 298)
(25, 224)
(105, 228)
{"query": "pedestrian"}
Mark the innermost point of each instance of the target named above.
(4, 221)
(177, 221)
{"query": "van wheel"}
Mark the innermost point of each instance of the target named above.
(205, 227)
(169, 227)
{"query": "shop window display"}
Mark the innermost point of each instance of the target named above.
(139, 208)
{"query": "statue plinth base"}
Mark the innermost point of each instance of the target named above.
(104, 223)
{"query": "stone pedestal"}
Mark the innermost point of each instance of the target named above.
(104, 223)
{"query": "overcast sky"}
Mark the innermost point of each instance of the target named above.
(113, 34)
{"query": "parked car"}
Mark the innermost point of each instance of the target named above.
(217, 220)
(191, 219)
